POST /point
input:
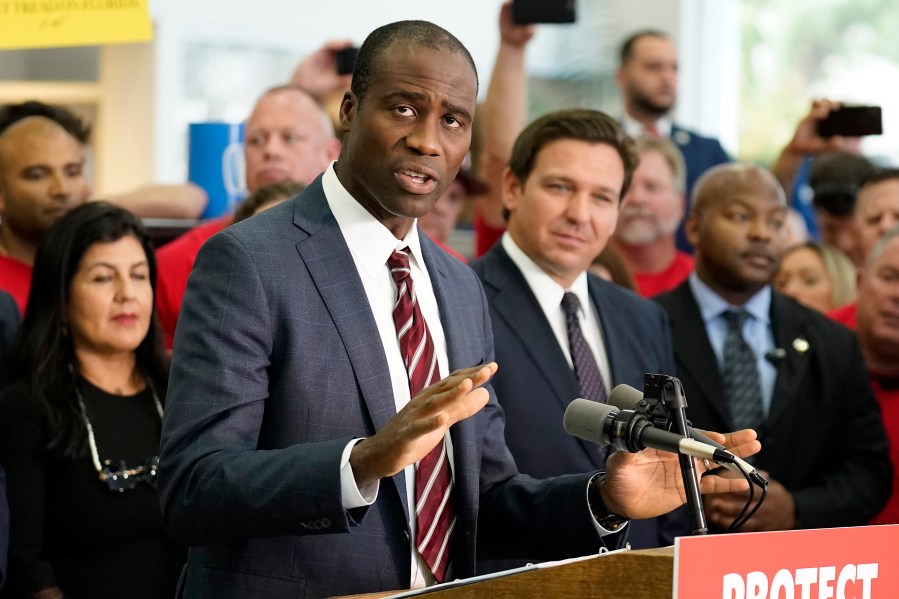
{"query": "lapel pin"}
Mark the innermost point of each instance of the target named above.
(800, 345)
(681, 138)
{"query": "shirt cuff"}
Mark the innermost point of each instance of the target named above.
(605, 522)
(351, 495)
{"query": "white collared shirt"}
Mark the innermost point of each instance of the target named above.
(549, 295)
(371, 244)
(635, 128)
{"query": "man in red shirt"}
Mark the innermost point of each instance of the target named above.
(288, 137)
(876, 318)
(41, 178)
(650, 214)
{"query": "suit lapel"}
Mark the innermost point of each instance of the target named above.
(330, 264)
(614, 330)
(693, 350)
(789, 327)
(515, 304)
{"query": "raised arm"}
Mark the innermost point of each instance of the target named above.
(504, 113)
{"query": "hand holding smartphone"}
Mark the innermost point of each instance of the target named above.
(525, 12)
(346, 59)
(851, 121)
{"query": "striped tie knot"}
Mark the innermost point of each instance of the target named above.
(398, 262)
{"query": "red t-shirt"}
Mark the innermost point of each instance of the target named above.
(846, 315)
(654, 283)
(174, 261)
(887, 394)
(15, 279)
(485, 236)
(886, 390)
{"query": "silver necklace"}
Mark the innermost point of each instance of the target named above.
(122, 478)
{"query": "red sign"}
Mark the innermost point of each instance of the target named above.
(832, 563)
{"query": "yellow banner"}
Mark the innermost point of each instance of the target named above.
(53, 23)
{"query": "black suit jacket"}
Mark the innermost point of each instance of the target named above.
(823, 439)
(534, 383)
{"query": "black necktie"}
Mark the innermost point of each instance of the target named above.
(741, 375)
(585, 369)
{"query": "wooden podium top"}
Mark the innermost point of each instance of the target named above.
(640, 574)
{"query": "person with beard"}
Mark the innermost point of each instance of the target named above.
(750, 356)
(650, 214)
(647, 77)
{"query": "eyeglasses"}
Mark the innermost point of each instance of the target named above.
(125, 479)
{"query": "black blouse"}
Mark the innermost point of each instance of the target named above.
(67, 528)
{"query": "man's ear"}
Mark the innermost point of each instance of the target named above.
(691, 229)
(511, 190)
(348, 107)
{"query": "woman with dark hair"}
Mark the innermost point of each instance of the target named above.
(80, 426)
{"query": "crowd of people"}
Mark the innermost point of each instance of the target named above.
(317, 395)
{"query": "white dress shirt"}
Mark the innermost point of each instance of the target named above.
(371, 244)
(549, 295)
(635, 128)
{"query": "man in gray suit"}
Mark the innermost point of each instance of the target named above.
(292, 426)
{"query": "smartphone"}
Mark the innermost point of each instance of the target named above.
(852, 121)
(543, 11)
(346, 59)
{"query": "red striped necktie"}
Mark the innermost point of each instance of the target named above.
(435, 514)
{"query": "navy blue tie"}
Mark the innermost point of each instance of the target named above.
(741, 375)
(585, 369)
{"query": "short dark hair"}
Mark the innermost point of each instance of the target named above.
(580, 124)
(281, 190)
(423, 33)
(74, 126)
(627, 46)
(46, 353)
(879, 176)
(836, 178)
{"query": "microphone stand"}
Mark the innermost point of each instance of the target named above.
(668, 393)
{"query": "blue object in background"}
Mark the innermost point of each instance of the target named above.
(216, 163)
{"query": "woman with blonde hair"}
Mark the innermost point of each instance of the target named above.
(817, 275)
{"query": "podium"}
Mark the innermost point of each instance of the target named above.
(839, 563)
(639, 574)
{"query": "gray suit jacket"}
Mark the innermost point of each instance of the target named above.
(277, 365)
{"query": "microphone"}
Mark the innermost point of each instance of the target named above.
(631, 431)
(776, 356)
(625, 397)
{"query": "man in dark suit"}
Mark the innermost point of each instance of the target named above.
(647, 77)
(293, 426)
(567, 173)
(749, 356)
